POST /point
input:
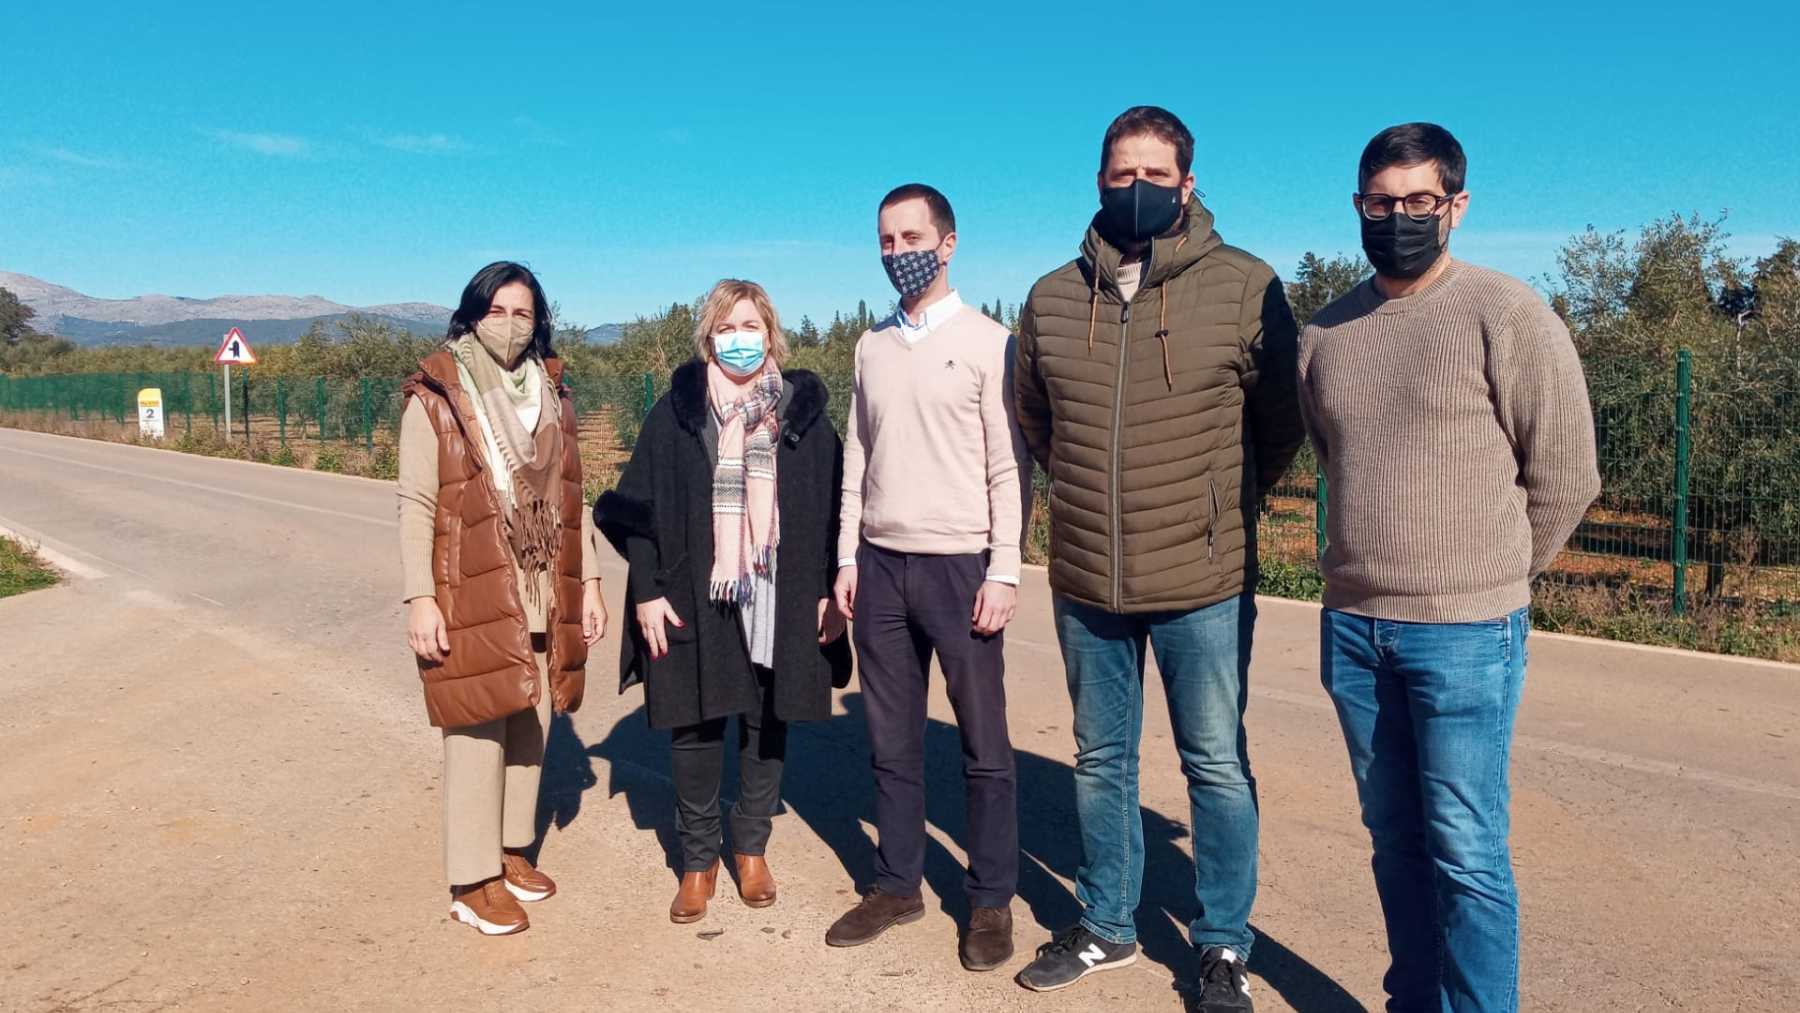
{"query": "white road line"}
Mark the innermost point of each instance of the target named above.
(62, 561)
(1590, 754)
(213, 489)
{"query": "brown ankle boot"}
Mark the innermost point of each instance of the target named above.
(756, 885)
(696, 889)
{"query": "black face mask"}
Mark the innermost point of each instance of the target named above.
(1398, 247)
(1135, 214)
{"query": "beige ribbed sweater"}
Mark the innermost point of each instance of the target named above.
(1457, 441)
(418, 490)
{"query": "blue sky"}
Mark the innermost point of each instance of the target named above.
(381, 152)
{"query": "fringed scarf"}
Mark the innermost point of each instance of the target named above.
(530, 513)
(746, 520)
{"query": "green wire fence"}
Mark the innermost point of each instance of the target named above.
(1701, 472)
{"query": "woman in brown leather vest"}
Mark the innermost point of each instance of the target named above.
(727, 515)
(502, 582)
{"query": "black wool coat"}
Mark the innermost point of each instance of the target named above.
(660, 519)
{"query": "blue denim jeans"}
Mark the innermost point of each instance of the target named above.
(1427, 711)
(1204, 658)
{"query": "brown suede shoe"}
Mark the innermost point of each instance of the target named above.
(524, 880)
(756, 884)
(489, 907)
(877, 913)
(696, 889)
(988, 941)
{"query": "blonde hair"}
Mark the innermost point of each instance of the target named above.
(724, 298)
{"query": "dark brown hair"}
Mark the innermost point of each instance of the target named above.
(1157, 122)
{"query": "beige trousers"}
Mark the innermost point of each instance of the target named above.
(491, 774)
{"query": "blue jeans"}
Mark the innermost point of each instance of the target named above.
(1427, 711)
(1204, 657)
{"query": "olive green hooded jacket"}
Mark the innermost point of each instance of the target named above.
(1162, 421)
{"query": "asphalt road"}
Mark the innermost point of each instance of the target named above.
(219, 793)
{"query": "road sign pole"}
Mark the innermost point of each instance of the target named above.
(228, 402)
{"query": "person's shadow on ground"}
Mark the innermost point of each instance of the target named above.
(828, 785)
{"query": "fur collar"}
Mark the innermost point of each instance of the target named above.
(687, 396)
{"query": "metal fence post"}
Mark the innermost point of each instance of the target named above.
(1320, 496)
(187, 395)
(1684, 389)
(319, 404)
(246, 406)
(649, 395)
(281, 408)
(368, 423)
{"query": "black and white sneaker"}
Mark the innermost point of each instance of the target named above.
(1072, 955)
(1224, 985)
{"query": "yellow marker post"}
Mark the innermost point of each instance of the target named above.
(150, 413)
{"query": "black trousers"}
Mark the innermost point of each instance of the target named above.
(909, 607)
(697, 756)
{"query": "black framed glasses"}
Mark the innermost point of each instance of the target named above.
(1417, 206)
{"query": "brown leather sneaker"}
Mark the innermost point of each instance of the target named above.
(489, 907)
(756, 884)
(524, 880)
(690, 899)
(988, 941)
(877, 913)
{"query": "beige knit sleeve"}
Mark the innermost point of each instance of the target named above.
(1006, 457)
(590, 545)
(418, 490)
(855, 461)
(1542, 401)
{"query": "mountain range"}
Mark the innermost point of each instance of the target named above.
(182, 320)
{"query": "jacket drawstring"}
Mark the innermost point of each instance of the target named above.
(1162, 335)
(1162, 324)
(1093, 308)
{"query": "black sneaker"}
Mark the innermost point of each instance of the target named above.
(1072, 955)
(1224, 985)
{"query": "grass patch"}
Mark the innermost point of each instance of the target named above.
(21, 570)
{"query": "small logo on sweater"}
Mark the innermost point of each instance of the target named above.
(949, 363)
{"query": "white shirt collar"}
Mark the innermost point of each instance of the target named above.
(930, 318)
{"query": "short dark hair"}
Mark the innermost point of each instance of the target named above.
(1157, 122)
(478, 298)
(1415, 144)
(942, 218)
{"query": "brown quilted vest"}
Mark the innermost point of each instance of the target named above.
(490, 671)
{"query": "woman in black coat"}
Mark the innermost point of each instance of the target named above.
(731, 557)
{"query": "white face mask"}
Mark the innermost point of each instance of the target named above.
(505, 338)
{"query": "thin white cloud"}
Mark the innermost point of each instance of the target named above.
(421, 144)
(537, 133)
(277, 145)
(67, 157)
(20, 177)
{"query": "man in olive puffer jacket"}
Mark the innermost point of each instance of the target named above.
(1155, 383)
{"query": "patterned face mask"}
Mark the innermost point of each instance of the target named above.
(912, 272)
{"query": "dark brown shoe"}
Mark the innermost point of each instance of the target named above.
(690, 899)
(756, 884)
(988, 941)
(877, 913)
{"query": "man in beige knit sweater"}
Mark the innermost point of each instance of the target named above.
(1448, 408)
(929, 564)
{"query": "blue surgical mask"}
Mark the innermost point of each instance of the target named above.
(740, 352)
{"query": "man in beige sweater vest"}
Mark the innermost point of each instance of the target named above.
(929, 564)
(1448, 408)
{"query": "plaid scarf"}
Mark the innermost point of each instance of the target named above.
(529, 514)
(746, 521)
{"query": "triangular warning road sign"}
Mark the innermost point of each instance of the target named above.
(234, 350)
